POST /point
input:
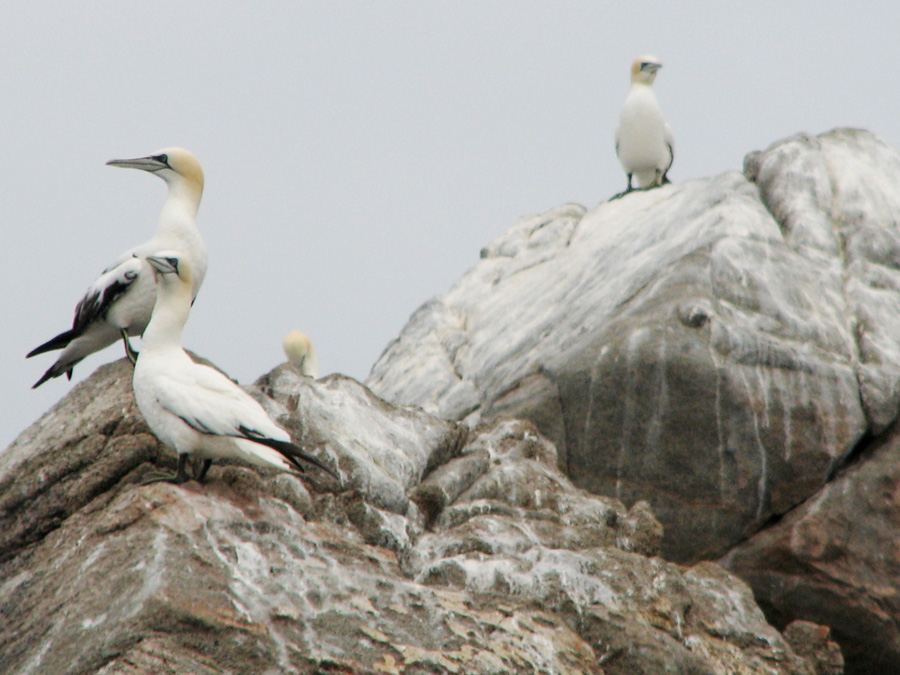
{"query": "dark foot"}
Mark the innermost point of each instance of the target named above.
(159, 477)
(177, 479)
(625, 191)
(662, 178)
(129, 350)
(201, 474)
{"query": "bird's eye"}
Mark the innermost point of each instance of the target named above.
(173, 262)
(162, 158)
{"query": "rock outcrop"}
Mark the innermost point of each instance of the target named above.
(835, 559)
(722, 355)
(725, 349)
(441, 550)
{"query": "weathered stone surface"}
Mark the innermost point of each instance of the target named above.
(79, 449)
(838, 195)
(519, 571)
(379, 448)
(813, 642)
(727, 350)
(716, 347)
(835, 560)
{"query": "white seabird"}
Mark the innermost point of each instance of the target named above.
(644, 142)
(299, 350)
(119, 303)
(193, 408)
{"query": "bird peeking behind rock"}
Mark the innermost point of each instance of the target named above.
(193, 408)
(119, 303)
(644, 141)
(299, 350)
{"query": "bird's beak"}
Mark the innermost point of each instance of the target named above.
(143, 163)
(160, 265)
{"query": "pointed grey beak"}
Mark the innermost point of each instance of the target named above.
(162, 264)
(153, 163)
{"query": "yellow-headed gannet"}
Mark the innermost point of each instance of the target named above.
(193, 408)
(299, 350)
(119, 303)
(643, 139)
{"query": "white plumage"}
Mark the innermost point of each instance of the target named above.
(119, 303)
(299, 350)
(193, 408)
(644, 142)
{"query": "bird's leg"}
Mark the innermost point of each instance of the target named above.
(129, 350)
(182, 475)
(625, 191)
(177, 479)
(201, 474)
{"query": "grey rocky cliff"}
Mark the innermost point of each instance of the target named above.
(725, 349)
(835, 559)
(441, 550)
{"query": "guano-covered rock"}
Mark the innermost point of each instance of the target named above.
(725, 349)
(492, 562)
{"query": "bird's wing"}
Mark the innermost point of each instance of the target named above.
(107, 289)
(670, 143)
(210, 403)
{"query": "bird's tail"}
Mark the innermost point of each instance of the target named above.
(59, 342)
(55, 370)
(292, 453)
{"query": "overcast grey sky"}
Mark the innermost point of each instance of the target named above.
(359, 155)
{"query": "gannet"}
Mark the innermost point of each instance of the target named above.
(193, 408)
(643, 139)
(119, 303)
(299, 350)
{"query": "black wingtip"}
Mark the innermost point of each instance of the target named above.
(53, 371)
(292, 453)
(289, 451)
(46, 376)
(59, 342)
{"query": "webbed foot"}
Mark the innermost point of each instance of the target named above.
(179, 478)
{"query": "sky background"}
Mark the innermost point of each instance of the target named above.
(358, 155)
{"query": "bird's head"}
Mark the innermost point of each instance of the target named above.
(296, 346)
(644, 69)
(169, 164)
(170, 266)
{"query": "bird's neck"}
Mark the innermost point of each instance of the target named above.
(310, 363)
(181, 204)
(173, 304)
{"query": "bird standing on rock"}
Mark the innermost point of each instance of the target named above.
(193, 408)
(119, 303)
(644, 141)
